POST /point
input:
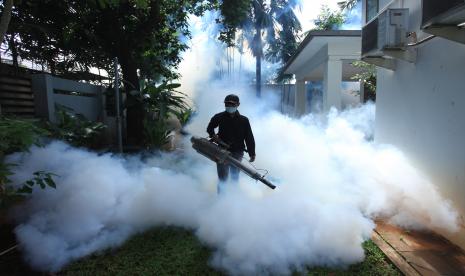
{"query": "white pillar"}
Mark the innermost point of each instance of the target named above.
(300, 98)
(332, 84)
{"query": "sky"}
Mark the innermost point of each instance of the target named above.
(310, 9)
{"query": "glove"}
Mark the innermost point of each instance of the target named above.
(252, 158)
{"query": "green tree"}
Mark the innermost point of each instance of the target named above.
(329, 20)
(233, 15)
(15, 136)
(5, 18)
(348, 4)
(367, 76)
(147, 36)
(162, 102)
(283, 45)
(271, 29)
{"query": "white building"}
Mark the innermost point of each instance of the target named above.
(325, 56)
(421, 87)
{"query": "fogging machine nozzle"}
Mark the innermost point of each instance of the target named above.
(214, 152)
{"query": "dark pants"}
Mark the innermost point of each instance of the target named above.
(225, 169)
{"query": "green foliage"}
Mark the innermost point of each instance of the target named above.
(18, 135)
(74, 35)
(147, 37)
(15, 135)
(329, 20)
(76, 129)
(161, 251)
(283, 42)
(347, 4)
(160, 103)
(5, 173)
(375, 263)
(9, 194)
(185, 116)
(270, 28)
(367, 75)
(157, 133)
(173, 251)
(40, 178)
(233, 15)
(163, 100)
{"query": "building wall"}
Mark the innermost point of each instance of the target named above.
(421, 110)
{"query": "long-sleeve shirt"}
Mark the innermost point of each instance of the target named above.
(234, 130)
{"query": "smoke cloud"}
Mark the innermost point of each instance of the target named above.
(333, 183)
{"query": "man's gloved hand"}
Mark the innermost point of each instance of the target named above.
(252, 158)
(215, 138)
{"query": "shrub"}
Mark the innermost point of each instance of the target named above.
(19, 135)
(76, 129)
(161, 102)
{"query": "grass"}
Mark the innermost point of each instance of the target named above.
(174, 251)
(375, 263)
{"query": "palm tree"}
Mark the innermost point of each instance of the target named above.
(270, 28)
(261, 20)
(347, 4)
(276, 27)
(284, 42)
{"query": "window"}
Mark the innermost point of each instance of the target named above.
(372, 9)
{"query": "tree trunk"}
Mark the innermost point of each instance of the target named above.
(14, 52)
(51, 63)
(258, 60)
(6, 16)
(135, 112)
(258, 73)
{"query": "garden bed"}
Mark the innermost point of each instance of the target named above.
(171, 251)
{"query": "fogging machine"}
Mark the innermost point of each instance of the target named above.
(215, 151)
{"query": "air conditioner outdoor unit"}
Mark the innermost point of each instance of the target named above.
(387, 31)
(444, 18)
(444, 12)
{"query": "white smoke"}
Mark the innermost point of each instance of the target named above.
(333, 183)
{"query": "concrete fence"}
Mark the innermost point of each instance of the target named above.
(51, 92)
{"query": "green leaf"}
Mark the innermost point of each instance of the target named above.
(172, 86)
(41, 183)
(50, 182)
(24, 190)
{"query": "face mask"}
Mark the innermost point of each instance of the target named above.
(231, 109)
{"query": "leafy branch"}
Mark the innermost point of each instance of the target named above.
(19, 135)
(41, 178)
(162, 102)
(367, 74)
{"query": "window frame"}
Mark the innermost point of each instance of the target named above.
(367, 10)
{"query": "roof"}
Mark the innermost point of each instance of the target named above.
(314, 34)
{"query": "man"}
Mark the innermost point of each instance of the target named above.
(234, 130)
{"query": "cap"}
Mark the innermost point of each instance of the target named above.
(231, 98)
